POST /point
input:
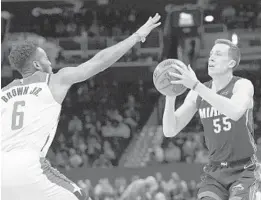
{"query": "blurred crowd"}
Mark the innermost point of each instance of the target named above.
(188, 147)
(234, 15)
(97, 123)
(94, 22)
(100, 118)
(247, 16)
(173, 189)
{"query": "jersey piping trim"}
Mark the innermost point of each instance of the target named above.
(48, 76)
(251, 138)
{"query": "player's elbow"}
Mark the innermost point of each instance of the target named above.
(235, 117)
(169, 132)
(237, 114)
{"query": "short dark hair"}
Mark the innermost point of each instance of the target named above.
(21, 53)
(233, 52)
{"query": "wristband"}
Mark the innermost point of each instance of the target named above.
(141, 39)
(195, 85)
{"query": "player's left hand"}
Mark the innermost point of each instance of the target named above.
(151, 24)
(187, 76)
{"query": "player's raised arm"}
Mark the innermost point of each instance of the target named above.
(174, 121)
(105, 58)
(234, 108)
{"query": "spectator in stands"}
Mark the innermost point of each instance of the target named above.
(250, 23)
(129, 120)
(94, 29)
(184, 192)
(120, 185)
(172, 153)
(102, 162)
(94, 148)
(61, 139)
(62, 159)
(189, 147)
(103, 189)
(201, 156)
(75, 160)
(83, 94)
(82, 147)
(132, 20)
(98, 126)
(192, 188)
(75, 125)
(158, 153)
(173, 186)
(88, 126)
(228, 14)
(108, 151)
(116, 128)
(160, 196)
(132, 106)
(161, 182)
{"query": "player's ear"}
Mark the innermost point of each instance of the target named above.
(37, 65)
(232, 64)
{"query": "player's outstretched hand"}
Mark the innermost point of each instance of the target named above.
(145, 30)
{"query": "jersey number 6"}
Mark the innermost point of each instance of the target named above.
(224, 125)
(17, 117)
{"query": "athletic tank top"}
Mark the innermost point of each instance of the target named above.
(227, 140)
(29, 114)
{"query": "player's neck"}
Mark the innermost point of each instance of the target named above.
(221, 81)
(28, 74)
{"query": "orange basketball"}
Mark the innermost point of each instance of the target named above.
(161, 78)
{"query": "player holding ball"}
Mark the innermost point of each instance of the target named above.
(225, 106)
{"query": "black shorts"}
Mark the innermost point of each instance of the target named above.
(223, 183)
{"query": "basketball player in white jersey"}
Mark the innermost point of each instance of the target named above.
(30, 109)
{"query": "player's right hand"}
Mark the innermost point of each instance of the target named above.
(152, 23)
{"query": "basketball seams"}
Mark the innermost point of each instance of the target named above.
(160, 74)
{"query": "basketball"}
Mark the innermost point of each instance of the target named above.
(161, 78)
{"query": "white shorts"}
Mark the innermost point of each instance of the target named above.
(25, 176)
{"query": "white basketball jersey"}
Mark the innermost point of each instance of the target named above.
(29, 115)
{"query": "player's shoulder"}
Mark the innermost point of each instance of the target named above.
(241, 83)
(240, 80)
(10, 85)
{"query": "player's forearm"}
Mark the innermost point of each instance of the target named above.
(223, 104)
(169, 118)
(112, 54)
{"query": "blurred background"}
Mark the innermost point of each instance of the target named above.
(110, 132)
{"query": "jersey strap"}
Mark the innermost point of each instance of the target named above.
(48, 76)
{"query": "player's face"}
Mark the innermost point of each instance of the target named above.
(219, 61)
(43, 63)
